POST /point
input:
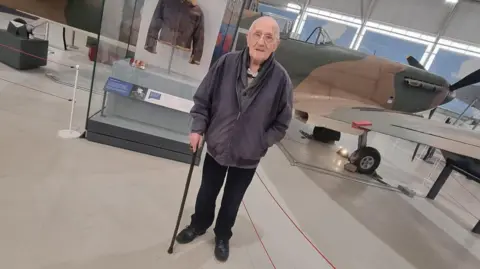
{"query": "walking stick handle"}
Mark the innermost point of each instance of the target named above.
(182, 205)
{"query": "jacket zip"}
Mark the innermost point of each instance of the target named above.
(238, 117)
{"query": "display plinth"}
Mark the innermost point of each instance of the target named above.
(145, 111)
(21, 53)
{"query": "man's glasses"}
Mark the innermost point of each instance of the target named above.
(267, 38)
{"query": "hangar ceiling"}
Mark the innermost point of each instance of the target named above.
(427, 16)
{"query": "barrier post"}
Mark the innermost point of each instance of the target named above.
(72, 133)
(73, 41)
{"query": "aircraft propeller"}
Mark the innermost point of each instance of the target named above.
(472, 78)
(414, 62)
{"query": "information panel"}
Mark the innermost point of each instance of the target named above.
(152, 96)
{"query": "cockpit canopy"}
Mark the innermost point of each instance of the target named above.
(318, 36)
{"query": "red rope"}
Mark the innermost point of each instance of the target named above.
(34, 56)
(258, 235)
(296, 226)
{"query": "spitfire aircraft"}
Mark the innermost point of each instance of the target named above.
(336, 86)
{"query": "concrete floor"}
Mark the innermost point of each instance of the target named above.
(72, 204)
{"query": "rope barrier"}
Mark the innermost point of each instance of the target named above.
(258, 235)
(35, 56)
(294, 224)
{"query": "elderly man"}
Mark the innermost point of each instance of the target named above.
(242, 107)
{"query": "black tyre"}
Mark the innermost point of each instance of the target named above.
(325, 135)
(366, 160)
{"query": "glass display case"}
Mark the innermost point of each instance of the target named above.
(150, 57)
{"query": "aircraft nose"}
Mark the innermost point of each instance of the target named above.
(450, 96)
(419, 90)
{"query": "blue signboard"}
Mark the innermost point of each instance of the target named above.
(154, 95)
(118, 86)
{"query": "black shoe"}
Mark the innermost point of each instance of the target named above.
(221, 249)
(188, 234)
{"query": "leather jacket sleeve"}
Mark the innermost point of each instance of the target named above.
(155, 27)
(198, 40)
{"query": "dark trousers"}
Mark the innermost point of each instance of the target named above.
(213, 178)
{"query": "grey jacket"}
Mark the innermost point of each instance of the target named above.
(240, 136)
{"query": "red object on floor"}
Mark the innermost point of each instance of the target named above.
(360, 124)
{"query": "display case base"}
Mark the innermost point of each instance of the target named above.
(153, 141)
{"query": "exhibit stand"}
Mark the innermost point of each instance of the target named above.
(146, 111)
(146, 102)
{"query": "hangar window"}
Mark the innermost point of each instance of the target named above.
(394, 43)
(283, 11)
(289, 12)
(391, 46)
(340, 32)
(340, 28)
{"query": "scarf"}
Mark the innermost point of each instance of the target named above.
(251, 90)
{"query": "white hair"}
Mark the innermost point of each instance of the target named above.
(276, 30)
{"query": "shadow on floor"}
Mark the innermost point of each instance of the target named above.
(190, 256)
(398, 224)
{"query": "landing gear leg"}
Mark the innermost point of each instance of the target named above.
(366, 159)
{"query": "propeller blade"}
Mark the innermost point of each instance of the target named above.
(471, 79)
(414, 62)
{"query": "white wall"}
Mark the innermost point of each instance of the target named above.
(213, 11)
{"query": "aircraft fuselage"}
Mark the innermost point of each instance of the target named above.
(326, 77)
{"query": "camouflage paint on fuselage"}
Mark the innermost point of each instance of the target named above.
(326, 77)
(413, 99)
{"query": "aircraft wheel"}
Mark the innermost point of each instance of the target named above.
(366, 160)
(325, 135)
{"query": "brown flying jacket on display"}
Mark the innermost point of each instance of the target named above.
(181, 24)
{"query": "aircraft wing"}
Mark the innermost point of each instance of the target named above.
(413, 128)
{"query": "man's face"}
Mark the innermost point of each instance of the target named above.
(262, 40)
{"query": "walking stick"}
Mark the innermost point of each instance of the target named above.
(187, 186)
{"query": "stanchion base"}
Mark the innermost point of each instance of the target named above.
(69, 134)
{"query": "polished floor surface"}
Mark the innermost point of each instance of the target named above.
(72, 204)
